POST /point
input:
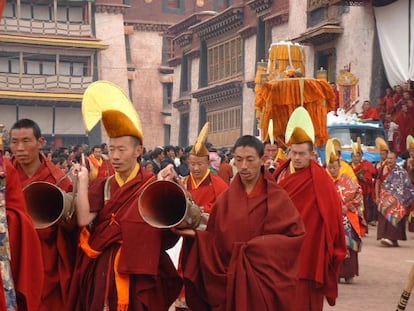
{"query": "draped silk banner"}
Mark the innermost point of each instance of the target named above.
(395, 26)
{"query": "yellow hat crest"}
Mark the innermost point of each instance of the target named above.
(356, 147)
(381, 144)
(270, 132)
(106, 101)
(336, 143)
(410, 142)
(330, 152)
(299, 128)
(199, 149)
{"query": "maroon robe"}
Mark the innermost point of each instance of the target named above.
(247, 257)
(371, 113)
(314, 195)
(206, 194)
(154, 282)
(58, 244)
(366, 173)
(26, 258)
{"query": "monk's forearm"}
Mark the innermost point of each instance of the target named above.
(83, 214)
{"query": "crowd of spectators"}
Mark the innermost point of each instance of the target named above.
(153, 160)
(396, 110)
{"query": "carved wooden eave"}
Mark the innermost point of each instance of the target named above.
(182, 104)
(165, 70)
(174, 62)
(226, 21)
(183, 39)
(111, 8)
(219, 93)
(148, 26)
(186, 23)
(262, 7)
(279, 18)
(194, 53)
(247, 32)
(320, 34)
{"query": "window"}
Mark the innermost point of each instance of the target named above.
(10, 10)
(185, 76)
(9, 63)
(224, 60)
(128, 49)
(173, 6)
(224, 120)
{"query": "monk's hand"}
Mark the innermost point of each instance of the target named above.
(184, 232)
(80, 173)
(168, 173)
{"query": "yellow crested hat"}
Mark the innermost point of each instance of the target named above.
(410, 142)
(299, 128)
(381, 144)
(199, 149)
(106, 101)
(330, 152)
(356, 147)
(337, 144)
(270, 136)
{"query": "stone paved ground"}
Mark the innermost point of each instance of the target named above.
(383, 275)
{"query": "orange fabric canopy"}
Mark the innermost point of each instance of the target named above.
(277, 99)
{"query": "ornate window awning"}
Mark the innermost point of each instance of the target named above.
(320, 34)
(219, 92)
(182, 104)
(260, 6)
(230, 19)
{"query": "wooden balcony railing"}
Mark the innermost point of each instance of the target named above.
(38, 27)
(44, 83)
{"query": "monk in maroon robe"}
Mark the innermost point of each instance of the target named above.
(366, 173)
(247, 257)
(152, 283)
(57, 241)
(123, 264)
(314, 195)
(26, 259)
(369, 113)
(405, 121)
(204, 186)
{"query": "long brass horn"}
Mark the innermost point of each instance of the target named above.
(165, 204)
(47, 204)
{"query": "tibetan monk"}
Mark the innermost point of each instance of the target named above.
(26, 258)
(247, 259)
(366, 173)
(122, 264)
(369, 113)
(350, 194)
(395, 197)
(57, 241)
(314, 195)
(204, 186)
(99, 165)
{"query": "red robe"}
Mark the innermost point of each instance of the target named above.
(26, 259)
(247, 257)
(366, 173)
(371, 113)
(154, 282)
(103, 170)
(207, 192)
(58, 244)
(314, 195)
(405, 121)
